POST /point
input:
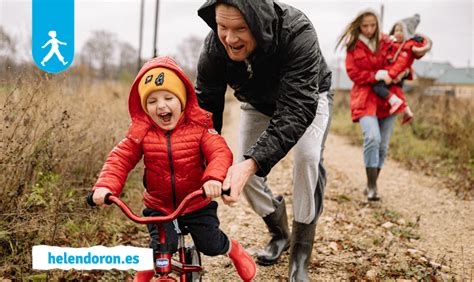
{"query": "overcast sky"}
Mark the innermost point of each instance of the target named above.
(449, 23)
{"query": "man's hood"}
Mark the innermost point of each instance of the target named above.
(260, 16)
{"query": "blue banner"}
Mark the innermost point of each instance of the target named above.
(52, 41)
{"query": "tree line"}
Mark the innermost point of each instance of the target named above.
(103, 57)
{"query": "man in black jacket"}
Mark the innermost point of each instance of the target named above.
(268, 52)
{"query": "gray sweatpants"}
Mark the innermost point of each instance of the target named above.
(309, 175)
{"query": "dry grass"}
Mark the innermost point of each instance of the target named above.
(440, 140)
(56, 134)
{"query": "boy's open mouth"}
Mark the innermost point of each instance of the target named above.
(166, 117)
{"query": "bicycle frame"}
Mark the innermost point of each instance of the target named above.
(163, 262)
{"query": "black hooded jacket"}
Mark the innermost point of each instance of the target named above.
(282, 78)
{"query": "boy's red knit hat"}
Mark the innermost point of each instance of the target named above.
(161, 79)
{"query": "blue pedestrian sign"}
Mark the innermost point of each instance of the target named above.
(52, 41)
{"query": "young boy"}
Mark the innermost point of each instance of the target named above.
(182, 153)
(407, 46)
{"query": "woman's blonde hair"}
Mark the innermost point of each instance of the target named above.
(351, 34)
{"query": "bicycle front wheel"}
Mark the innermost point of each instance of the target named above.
(193, 257)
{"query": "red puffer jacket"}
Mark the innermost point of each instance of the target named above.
(361, 66)
(398, 63)
(177, 162)
(409, 51)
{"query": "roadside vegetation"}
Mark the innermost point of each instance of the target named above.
(439, 142)
(56, 134)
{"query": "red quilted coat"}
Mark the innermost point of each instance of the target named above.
(361, 66)
(398, 63)
(177, 162)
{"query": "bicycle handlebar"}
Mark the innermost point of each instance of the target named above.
(109, 199)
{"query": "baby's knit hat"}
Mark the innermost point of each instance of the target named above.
(161, 79)
(409, 25)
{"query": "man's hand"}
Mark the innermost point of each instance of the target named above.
(99, 195)
(237, 176)
(212, 189)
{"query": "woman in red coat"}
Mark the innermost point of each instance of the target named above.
(366, 50)
(405, 48)
(182, 153)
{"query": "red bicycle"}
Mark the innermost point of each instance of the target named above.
(188, 267)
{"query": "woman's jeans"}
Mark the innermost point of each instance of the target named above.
(377, 133)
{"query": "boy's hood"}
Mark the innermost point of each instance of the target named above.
(260, 16)
(141, 121)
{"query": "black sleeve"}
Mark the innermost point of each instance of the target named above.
(298, 99)
(210, 84)
(381, 89)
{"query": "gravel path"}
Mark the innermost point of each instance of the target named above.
(419, 230)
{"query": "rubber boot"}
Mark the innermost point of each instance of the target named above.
(372, 174)
(243, 263)
(302, 239)
(144, 276)
(378, 173)
(277, 224)
(407, 115)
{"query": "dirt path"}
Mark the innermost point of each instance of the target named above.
(446, 224)
(418, 231)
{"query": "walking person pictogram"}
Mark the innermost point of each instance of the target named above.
(54, 48)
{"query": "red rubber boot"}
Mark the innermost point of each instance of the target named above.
(244, 264)
(144, 276)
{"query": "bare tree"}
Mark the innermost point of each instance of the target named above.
(127, 58)
(7, 51)
(86, 54)
(6, 42)
(99, 52)
(188, 54)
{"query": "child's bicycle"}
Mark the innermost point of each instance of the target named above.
(188, 267)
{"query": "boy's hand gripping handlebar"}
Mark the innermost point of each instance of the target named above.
(111, 199)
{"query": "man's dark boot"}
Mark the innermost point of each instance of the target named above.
(372, 175)
(277, 224)
(302, 239)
